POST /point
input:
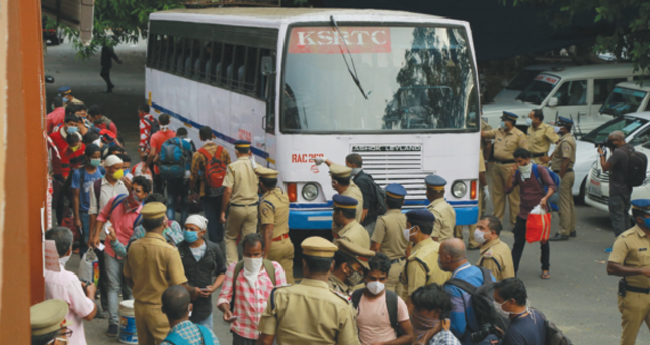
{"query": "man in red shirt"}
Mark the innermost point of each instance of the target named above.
(96, 116)
(157, 140)
(56, 116)
(74, 153)
(147, 121)
(60, 165)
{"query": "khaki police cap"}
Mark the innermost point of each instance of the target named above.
(266, 172)
(339, 170)
(358, 252)
(153, 210)
(318, 246)
(49, 316)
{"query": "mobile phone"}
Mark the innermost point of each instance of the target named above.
(234, 317)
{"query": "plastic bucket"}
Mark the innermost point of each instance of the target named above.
(128, 332)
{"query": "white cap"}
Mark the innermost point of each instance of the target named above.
(197, 220)
(112, 160)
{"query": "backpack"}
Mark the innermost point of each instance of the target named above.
(215, 169)
(176, 339)
(636, 167)
(555, 198)
(268, 266)
(482, 299)
(379, 194)
(175, 154)
(554, 336)
(155, 126)
(391, 305)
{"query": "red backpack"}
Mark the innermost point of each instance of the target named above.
(215, 169)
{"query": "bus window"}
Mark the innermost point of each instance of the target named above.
(150, 48)
(225, 65)
(261, 85)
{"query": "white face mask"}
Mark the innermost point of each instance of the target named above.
(375, 288)
(252, 266)
(407, 233)
(529, 122)
(556, 129)
(479, 236)
(525, 171)
(63, 260)
(355, 171)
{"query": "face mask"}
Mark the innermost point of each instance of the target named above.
(164, 127)
(64, 99)
(71, 130)
(95, 162)
(118, 174)
(375, 288)
(252, 265)
(478, 236)
(646, 221)
(355, 171)
(556, 129)
(407, 233)
(529, 122)
(525, 171)
(135, 196)
(502, 124)
(190, 236)
(355, 279)
(499, 308)
(63, 260)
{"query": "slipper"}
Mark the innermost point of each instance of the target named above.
(546, 275)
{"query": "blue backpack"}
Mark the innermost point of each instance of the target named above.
(555, 198)
(206, 337)
(175, 158)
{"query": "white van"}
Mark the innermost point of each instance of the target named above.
(519, 82)
(627, 97)
(573, 92)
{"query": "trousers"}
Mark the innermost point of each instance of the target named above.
(501, 173)
(520, 241)
(115, 282)
(212, 209)
(242, 220)
(105, 73)
(635, 309)
(566, 205)
(392, 283)
(177, 194)
(619, 206)
(151, 323)
(282, 251)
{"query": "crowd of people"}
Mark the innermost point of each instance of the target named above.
(386, 277)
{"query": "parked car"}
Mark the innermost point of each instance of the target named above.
(627, 97)
(573, 92)
(519, 82)
(51, 36)
(637, 129)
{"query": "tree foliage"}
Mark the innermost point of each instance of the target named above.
(630, 41)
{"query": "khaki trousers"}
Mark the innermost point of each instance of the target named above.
(392, 283)
(458, 230)
(151, 323)
(635, 309)
(282, 252)
(242, 220)
(566, 206)
(501, 173)
(538, 162)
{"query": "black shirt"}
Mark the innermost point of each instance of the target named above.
(367, 186)
(108, 55)
(526, 330)
(618, 176)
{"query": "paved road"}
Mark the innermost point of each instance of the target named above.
(580, 298)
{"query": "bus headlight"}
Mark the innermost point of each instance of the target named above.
(459, 189)
(310, 191)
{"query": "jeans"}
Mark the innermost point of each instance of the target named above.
(239, 340)
(619, 206)
(370, 228)
(103, 290)
(177, 192)
(206, 322)
(520, 241)
(158, 183)
(212, 209)
(85, 228)
(115, 279)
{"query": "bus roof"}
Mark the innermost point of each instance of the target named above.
(276, 17)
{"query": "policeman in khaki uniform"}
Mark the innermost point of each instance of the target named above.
(458, 230)
(388, 237)
(507, 139)
(240, 192)
(562, 162)
(309, 313)
(443, 227)
(152, 265)
(273, 213)
(495, 255)
(422, 266)
(630, 259)
(345, 209)
(343, 184)
(355, 259)
(48, 322)
(540, 137)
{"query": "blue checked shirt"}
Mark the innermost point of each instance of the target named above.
(444, 338)
(190, 333)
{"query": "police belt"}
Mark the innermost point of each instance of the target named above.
(280, 238)
(509, 161)
(637, 289)
(567, 170)
(394, 261)
(537, 155)
(236, 205)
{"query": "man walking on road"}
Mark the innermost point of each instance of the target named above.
(108, 55)
(540, 137)
(507, 139)
(562, 162)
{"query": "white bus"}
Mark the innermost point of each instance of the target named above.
(398, 88)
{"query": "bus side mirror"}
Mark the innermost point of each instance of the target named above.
(552, 102)
(267, 66)
(49, 79)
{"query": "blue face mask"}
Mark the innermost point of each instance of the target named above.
(190, 236)
(529, 122)
(71, 130)
(503, 124)
(95, 162)
(647, 222)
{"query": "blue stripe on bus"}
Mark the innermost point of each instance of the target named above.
(219, 135)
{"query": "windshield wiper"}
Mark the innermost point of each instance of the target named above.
(354, 74)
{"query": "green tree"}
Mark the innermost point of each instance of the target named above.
(629, 42)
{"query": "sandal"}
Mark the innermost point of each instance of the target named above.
(546, 275)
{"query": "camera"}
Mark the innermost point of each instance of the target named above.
(486, 330)
(601, 143)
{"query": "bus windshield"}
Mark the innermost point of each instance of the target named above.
(415, 78)
(623, 101)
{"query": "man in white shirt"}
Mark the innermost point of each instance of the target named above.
(66, 286)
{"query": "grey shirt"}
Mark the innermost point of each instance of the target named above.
(619, 160)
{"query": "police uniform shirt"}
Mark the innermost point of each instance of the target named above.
(339, 286)
(243, 181)
(355, 233)
(417, 274)
(309, 313)
(153, 265)
(496, 256)
(443, 226)
(481, 163)
(566, 148)
(389, 232)
(353, 191)
(632, 249)
(274, 209)
(505, 144)
(541, 138)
